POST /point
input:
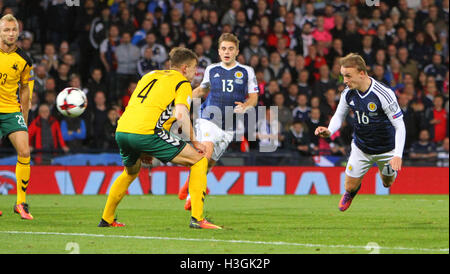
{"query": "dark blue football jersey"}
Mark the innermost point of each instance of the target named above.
(374, 110)
(227, 86)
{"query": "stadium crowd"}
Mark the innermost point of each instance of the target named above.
(104, 47)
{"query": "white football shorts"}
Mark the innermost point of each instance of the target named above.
(207, 131)
(360, 162)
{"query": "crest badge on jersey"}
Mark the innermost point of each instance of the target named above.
(239, 75)
(372, 106)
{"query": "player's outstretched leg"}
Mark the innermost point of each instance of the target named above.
(116, 193)
(183, 192)
(352, 186)
(388, 175)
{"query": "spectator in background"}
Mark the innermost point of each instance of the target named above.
(138, 38)
(62, 78)
(381, 40)
(335, 51)
(421, 51)
(95, 83)
(271, 89)
(109, 59)
(125, 22)
(146, 63)
(253, 48)
(73, 130)
(269, 131)
(51, 57)
(284, 113)
(338, 32)
(291, 96)
(277, 34)
(297, 139)
(308, 17)
(412, 124)
(99, 27)
(208, 49)
(188, 36)
(367, 51)
(229, 18)
(164, 37)
(423, 150)
(40, 79)
(436, 69)
(293, 31)
(351, 34)
(97, 119)
(159, 52)
(302, 111)
(276, 67)
(110, 130)
(50, 100)
(126, 98)
(324, 82)
(320, 34)
(439, 121)
(407, 65)
(203, 61)
(303, 83)
(241, 29)
(45, 134)
(328, 105)
(34, 109)
(314, 120)
(127, 57)
(442, 154)
(378, 74)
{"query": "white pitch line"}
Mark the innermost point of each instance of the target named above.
(221, 241)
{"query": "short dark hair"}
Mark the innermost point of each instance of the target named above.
(179, 56)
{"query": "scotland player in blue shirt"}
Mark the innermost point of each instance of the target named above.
(379, 130)
(230, 84)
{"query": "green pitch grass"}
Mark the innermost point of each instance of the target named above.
(252, 224)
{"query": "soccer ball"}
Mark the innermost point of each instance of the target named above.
(71, 102)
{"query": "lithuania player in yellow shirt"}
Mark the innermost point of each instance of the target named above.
(15, 74)
(160, 98)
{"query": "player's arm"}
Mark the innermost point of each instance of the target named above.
(204, 86)
(24, 95)
(337, 119)
(183, 117)
(253, 91)
(200, 91)
(26, 80)
(395, 115)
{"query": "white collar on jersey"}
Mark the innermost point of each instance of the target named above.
(223, 66)
(367, 92)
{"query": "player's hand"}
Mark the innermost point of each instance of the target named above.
(199, 146)
(240, 108)
(322, 132)
(396, 163)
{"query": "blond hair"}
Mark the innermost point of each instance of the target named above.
(9, 18)
(353, 60)
(229, 37)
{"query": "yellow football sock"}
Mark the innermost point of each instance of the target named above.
(116, 193)
(22, 177)
(197, 188)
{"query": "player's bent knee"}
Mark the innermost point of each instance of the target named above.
(133, 170)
